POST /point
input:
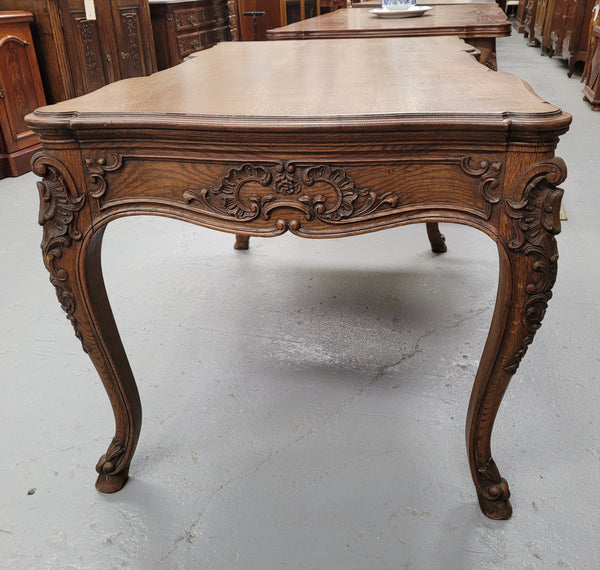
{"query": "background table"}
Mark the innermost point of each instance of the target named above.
(274, 144)
(478, 24)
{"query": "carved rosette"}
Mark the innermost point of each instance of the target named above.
(59, 206)
(96, 170)
(109, 463)
(288, 185)
(537, 221)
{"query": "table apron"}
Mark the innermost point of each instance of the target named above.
(310, 197)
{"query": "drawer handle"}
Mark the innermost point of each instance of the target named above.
(124, 55)
(194, 44)
(192, 19)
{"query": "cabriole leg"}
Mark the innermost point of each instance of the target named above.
(436, 238)
(528, 263)
(71, 251)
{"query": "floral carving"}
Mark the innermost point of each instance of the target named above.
(58, 216)
(96, 169)
(87, 38)
(489, 173)
(286, 180)
(131, 22)
(537, 217)
(289, 187)
(108, 464)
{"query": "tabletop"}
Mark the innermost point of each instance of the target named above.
(302, 88)
(467, 20)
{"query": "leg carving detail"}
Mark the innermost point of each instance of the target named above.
(528, 263)
(71, 252)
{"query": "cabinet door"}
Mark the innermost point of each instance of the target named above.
(20, 89)
(90, 62)
(557, 25)
(133, 37)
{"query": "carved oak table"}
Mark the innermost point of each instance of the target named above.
(264, 149)
(479, 24)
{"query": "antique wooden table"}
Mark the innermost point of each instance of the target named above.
(478, 24)
(264, 149)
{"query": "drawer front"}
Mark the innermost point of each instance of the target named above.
(190, 43)
(189, 19)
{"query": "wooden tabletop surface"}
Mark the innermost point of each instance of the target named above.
(231, 85)
(466, 20)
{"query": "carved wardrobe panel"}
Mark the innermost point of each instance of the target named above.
(77, 55)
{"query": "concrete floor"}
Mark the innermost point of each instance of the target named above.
(304, 401)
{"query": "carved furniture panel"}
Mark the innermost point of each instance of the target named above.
(479, 150)
(77, 55)
(478, 24)
(21, 92)
(182, 27)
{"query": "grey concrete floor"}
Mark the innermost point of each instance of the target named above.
(304, 401)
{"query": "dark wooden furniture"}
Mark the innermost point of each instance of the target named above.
(562, 29)
(529, 21)
(572, 45)
(182, 27)
(478, 24)
(478, 150)
(21, 92)
(78, 55)
(276, 13)
(542, 23)
(591, 90)
(520, 16)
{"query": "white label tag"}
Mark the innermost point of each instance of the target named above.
(90, 9)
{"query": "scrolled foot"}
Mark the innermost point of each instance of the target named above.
(112, 473)
(241, 242)
(495, 504)
(111, 483)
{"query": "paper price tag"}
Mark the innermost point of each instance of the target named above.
(90, 9)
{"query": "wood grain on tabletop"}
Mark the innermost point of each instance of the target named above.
(314, 79)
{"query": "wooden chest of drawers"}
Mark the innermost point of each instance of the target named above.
(182, 27)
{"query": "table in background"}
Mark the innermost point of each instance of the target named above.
(272, 143)
(478, 24)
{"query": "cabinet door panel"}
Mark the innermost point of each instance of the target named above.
(134, 41)
(90, 63)
(20, 91)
